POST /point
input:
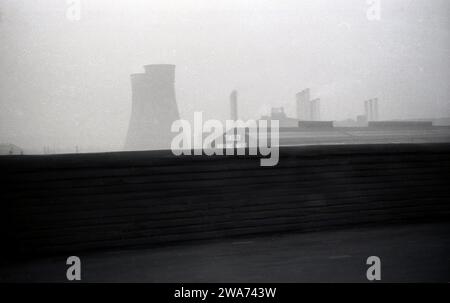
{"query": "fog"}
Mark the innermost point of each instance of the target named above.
(66, 83)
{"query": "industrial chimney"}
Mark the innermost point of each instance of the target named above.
(303, 105)
(233, 106)
(371, 109)
(315, 110)
(154, 108)
(375, 109)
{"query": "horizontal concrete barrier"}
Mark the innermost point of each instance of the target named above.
(72, 203)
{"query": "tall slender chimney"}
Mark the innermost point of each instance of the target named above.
(303, 105)
(371, 109)
(375, 109)
(154, 108)
(315, 110)
(367, 110)
(233, 106)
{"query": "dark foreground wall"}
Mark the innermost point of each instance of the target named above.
(70, 203)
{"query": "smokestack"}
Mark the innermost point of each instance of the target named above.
(233, 106)
(371, 109)
(303, 105)
(315, 110)
(154, 108)
(367, 110)
(375, 109)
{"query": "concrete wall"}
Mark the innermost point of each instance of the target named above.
(70, 203)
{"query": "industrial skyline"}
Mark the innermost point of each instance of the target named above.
(206, 145)
(66, 82)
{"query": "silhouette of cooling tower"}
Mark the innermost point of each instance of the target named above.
(154, 108)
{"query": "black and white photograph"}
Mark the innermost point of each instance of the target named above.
(224, 148)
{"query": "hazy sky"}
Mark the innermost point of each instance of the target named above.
(66, 83)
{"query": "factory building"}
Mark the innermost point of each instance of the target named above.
(277, 113)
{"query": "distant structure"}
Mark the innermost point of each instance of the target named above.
(10, 149)
(277, 113)
(303, 105)
(315, 110)
(361, 120)
(371, 109)
(441, 121)
(154, 108)
(307, 109)
(370, 115)
(233, 106)
(395, 125)
(315, 124)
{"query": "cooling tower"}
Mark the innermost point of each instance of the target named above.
(154, 108)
